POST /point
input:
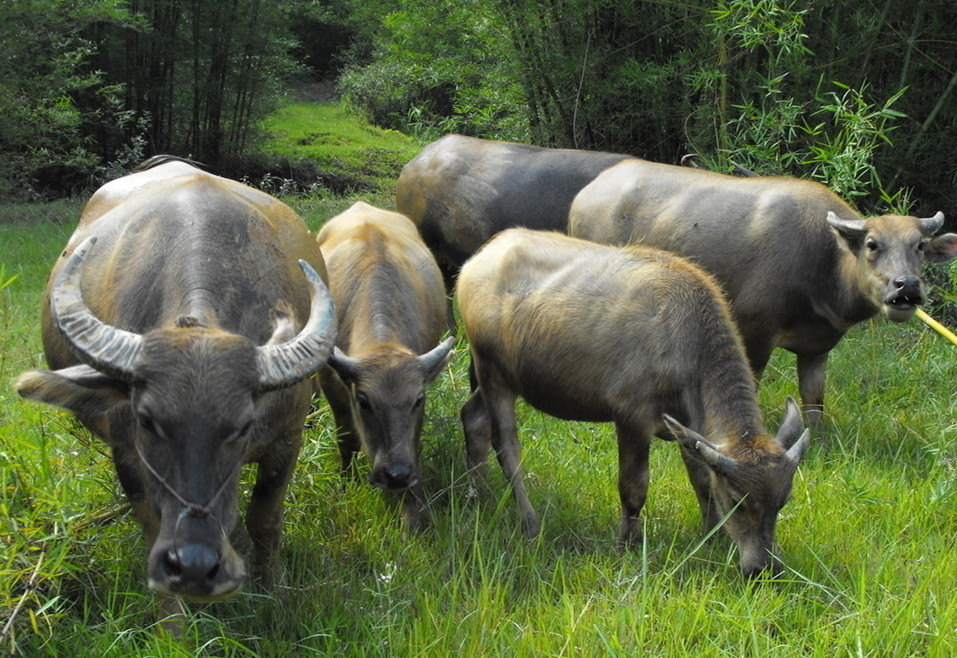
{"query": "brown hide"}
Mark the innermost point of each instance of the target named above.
(179, 327)
(637, 337)
(799, 265)
(460, 191)
(392, 313)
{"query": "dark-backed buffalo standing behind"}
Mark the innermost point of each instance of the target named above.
(392, 313)
(181, 324)
(634, 336)
(799, 265)
(460, 191)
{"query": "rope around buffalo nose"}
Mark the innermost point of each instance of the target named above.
(189, 508)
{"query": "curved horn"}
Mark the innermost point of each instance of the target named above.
(694, 442)
(930, 225)
(286, 363)
(852, 229)
(796, 452)
(721, 464)
(106, 348)
(346, 367)
(436, 358)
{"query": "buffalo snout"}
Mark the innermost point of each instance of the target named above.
(761, 564)
(906, 293)
(395, 476)
(196, 570)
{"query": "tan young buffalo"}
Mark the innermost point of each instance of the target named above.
(799, 266)
(634, 336)
(392, 314)
(460, 191)
(180, 325)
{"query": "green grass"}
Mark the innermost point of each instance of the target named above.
(867, 537)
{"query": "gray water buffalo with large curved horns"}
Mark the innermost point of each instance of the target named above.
(180, 325)
(634, 336)
(392, 314)
(798, 264)
(460, 191)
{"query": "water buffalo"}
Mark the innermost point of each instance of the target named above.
(392, 314)
(460, 191)
(799, 265)
(634, 336)
(178, 327)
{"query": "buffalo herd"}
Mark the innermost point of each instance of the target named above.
(190, 320)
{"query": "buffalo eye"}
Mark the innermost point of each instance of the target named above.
(363, 401)
(245, 429)
(871, 246)
(418, 402)
(146, 422)
(921, 246)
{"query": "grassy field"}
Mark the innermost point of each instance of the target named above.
(867, 539)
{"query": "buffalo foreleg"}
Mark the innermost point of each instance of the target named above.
(489, 418)
(478, 436)
(811, 374)
(265, 511)
(632, 482)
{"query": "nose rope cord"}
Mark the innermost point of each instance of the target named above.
(201, 511)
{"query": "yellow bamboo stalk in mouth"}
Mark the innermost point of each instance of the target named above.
(936, 326)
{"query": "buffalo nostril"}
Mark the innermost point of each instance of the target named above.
(397, 476)
(907, 282)
(196, 564)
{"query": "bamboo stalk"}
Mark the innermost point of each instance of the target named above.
(936, 326)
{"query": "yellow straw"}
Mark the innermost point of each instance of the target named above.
(936, 326)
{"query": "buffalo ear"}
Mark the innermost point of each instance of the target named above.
(941, 249)
(81, 389)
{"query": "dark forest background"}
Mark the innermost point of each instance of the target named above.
(856, 93)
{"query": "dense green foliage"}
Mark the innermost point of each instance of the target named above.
(91, 88)
(857, 95)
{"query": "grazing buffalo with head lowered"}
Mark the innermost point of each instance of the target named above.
(634, 336)
(179, 327)
(799, 266)
(392, 314)
(460, 191)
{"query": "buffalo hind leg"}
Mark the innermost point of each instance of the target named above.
(811, 370)
(632, 483)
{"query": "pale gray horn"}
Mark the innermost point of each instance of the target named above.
(930, 225)
(106, 348)
(438, 356)
(286, 363)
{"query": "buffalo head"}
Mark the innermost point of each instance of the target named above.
(890, 251)
(750, 482)
(387, 396)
